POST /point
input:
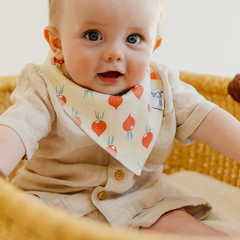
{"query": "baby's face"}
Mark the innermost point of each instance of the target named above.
(107, 44)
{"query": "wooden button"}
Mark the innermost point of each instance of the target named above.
(119, 175)
(102, 195)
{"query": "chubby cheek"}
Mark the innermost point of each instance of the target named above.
(80, 67)
(138, 69)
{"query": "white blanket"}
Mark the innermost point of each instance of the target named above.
(224, 198)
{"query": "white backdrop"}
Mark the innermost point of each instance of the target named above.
(201, 36)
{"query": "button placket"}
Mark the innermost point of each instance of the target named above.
(102, 195)
(119, 175)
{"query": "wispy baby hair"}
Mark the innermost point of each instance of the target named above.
(162, 15)
(56, 5)
(54, 11)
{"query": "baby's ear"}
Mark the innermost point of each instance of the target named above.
(54, 41)
(158, 43)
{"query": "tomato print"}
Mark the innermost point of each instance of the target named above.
(61, 98)
(138, 91)
(99, 126)
(115, 101)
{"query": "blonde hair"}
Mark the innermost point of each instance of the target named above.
(54, 12)
(56, 5)
(162, 16)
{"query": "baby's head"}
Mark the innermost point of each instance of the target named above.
(55, 8)
(107, 44)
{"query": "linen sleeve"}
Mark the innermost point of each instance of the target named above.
(31, 114)
(190, 108)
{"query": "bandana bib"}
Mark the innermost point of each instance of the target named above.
(125, 126)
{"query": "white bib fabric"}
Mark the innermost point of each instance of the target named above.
(125, 126)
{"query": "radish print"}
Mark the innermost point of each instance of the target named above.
(141, 164)
(61, 98)
(128, 126)
(88, 92)
(111, 148)
(115, 101)
(147, 138)
(99, 126)
(153, 75)
(75, 118)
(138, 91)
(149, 106)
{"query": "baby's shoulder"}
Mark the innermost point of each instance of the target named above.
(30, 69)
(31, 74)
(167, 73)
(31, 79)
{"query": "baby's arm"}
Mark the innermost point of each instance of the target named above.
(221, 131)
(11, 150)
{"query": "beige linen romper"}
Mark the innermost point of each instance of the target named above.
(67, 169)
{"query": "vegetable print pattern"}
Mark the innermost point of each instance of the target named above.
(115, 101)
(99, 126)
(61, 98)
(147, 137)
(128, 126)
(111, 148)
(119, 124)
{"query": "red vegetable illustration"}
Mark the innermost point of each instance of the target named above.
(75, 118)
(115, 101)
(138, 91)
(99, 126)
(153, 75)
(147, 138)
(111, 148)
(128, 126)
(149, 106)
(61, 98)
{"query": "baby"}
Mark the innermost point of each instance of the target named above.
(96, 121)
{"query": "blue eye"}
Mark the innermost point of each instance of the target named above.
(93, 36)
(133, 39)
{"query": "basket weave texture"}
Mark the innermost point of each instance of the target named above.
(21, 217)
(198, 156)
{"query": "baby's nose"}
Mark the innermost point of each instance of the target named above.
(113, 54)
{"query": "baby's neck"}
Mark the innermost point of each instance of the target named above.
(122, 93)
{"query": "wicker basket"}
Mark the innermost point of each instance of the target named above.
(22, 217)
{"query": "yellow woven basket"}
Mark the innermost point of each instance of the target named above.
(22, 217)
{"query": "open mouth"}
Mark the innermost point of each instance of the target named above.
(110, 77)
